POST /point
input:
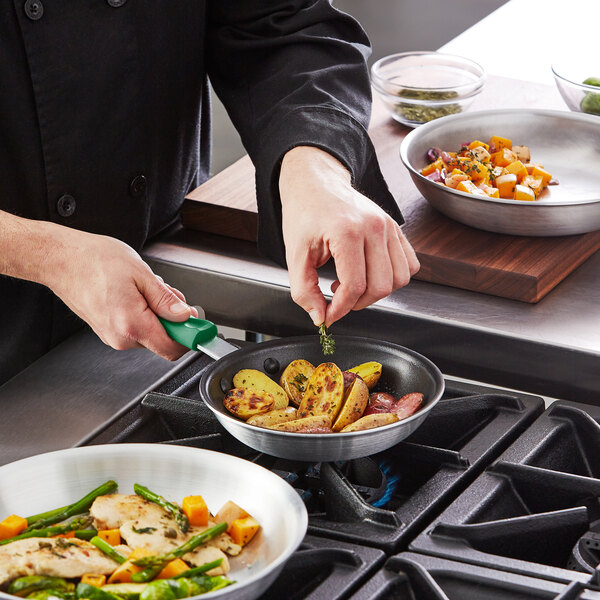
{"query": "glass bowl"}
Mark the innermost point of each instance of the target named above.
(578, 96)
(418, 87)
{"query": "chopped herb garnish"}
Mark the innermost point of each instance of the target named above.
(299, 381)
(327, 341)
(143, 529)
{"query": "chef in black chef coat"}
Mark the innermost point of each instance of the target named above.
(104, 128)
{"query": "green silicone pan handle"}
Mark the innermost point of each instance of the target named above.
(192, 332)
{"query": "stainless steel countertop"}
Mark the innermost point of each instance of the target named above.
(551, 348)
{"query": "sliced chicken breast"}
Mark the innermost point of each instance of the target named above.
(60, 557)
(146, 525)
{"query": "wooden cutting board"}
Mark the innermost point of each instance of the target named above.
(520, 268)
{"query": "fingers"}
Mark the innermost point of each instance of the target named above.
(350, 266)
(389, 261)
(304, 288)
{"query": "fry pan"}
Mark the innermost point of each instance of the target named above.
(55, 479)
(404, 371)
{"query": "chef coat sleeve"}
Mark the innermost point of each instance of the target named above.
(291, 73)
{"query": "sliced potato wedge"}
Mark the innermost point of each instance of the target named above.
(274, 417)
(247, 402)
(294, 379)
(369, 371)
(257, 380)
(371, 421)
(355, 402)
(316, 424)
(324, 392)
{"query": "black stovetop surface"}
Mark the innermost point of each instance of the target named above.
(512, 523)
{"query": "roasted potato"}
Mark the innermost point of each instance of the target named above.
(294, 379)
(274, 417)
(247, 402)
(371, 422)
(257, 380)
(313, 424)
(324, 392)
(369, 371)
(356, 399)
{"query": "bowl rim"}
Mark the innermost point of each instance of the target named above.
(148, 449)
(582, 86)
(378, 79)
(576, 116)
(433, 368)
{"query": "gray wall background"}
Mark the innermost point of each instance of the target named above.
(393, 26)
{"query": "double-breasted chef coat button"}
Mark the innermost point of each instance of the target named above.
(116, 3)
(66, 205)
(34, 9)
(138, 185)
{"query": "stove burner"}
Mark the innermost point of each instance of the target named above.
(585, 556)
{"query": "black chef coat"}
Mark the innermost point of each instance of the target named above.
(104, 119)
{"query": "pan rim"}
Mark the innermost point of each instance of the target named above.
(432, 368)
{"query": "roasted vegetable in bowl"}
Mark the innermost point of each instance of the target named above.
(497, 169)
(137, 546)
(328, 399)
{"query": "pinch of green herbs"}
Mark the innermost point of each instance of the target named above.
(327, 341)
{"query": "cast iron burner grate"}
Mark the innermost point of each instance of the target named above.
(411, 576)
(536, 510)
(383, 500)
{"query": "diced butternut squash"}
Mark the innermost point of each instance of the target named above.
(506, 185)
(110, 536)
(11, 526)
(534, 183)
(476, 170)
(229, 512)
(93, 579)
(522, 192)
(492, 192)
(518, 169)
(539, 171)
(124, 572)
(174, 568)
(477, 144)
(430, 168)
(243, 530)
(531, 166)
(523, 153)
(503, 158)
(470, 188)
(480, 154)
(498, 143)
(69, 534)
(195, 510)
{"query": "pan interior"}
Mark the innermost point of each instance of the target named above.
(403, 371)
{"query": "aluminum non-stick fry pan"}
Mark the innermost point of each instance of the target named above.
(403, 371)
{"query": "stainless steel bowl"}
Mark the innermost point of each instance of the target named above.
(403, 371)
(55, 479)
(567, 144)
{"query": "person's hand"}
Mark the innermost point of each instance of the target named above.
(107, 284)
(324, 217)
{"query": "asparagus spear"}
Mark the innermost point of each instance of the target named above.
(73, 509)
(49, 513)
(108, 550)
(85, 534)
(153, 565)
(200, 570)
(74, 525)
(171, 508)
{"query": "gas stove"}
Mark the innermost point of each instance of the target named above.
(504, 498)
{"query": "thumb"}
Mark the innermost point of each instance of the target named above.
(305, 291)
(162, 300)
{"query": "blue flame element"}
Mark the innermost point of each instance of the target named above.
(393, 480)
